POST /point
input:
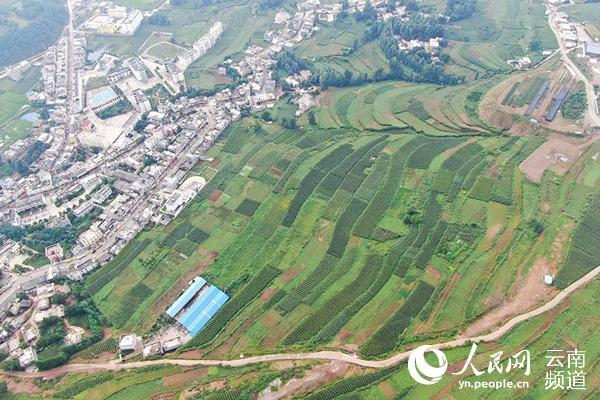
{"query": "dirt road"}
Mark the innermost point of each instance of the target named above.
(320, 355)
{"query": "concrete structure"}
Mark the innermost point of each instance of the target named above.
(54, 253)
(141, 101)
(28, 357)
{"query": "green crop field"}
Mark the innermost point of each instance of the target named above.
(497, 32)
(424, 108)
(362, 230)
(13, 104)
(188, 22)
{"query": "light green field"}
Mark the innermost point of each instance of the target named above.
(498, 31)
(429, 109)
(13, 104)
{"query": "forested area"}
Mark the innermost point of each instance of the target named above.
(46, 20)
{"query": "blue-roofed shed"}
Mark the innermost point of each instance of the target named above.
(203, 309)
(185, 298)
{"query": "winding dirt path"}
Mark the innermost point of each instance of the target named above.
(320, 355)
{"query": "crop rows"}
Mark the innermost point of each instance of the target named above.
(482, 189)
(385, 338)
(338, 272)
(72, 390)
(343, 227)
(312, 179)
(422, 157)
(584, 254)
(237, 168)
(299, 159)
(431, 215)
(311, 325)
(335, 324)
(443, 180)
(327, 264)
(351, 384)
(248, 207)
(380, 202)
(376, 177)
(234, 305)
(108, 345)
(429, 247)
(263, 165)
(98, 279)
(270, 221)
(235, 140)
(120, 313)
(503, 188)
(457, 238)
(474, 173)
(215, 183)
(349, 173)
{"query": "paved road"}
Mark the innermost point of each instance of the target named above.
(592, 116)
(321, 355)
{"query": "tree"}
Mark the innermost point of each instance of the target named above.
(288, 123)
(535, 45)
(12, 365)
(311, 118)
(266, 116)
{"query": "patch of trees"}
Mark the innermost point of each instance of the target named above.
(122, 107)
(460, 9)
(159, 19)
(290, 62)
(574, 107)
(38, 237)
(83, 308)
(46, 20)
(21, 164)
(368, 14)
(270, 4)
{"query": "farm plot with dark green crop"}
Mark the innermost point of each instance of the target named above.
(354, 241)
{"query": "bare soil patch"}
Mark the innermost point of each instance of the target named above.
(311, 380)
(433, 274)
(214, 196)
(557, 154)
(529, 291)
(182, 379)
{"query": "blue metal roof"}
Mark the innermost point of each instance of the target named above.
(102, 97)
(186, 296)
(203, 309)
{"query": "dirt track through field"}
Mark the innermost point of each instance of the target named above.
(320, 355)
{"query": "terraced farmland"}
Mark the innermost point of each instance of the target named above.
(387, 235)
(428, 109)
(497, 32)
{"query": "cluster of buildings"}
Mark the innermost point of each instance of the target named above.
(137, 177)
(15, 72)
(432, 45)
(111, 19)
(20, 331)
(55, 68)
(289, 31)
(190, 312)
(200, 47)
(567, 30)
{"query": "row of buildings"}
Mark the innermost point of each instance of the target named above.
(200, 47)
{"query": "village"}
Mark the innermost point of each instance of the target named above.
(136, 174)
